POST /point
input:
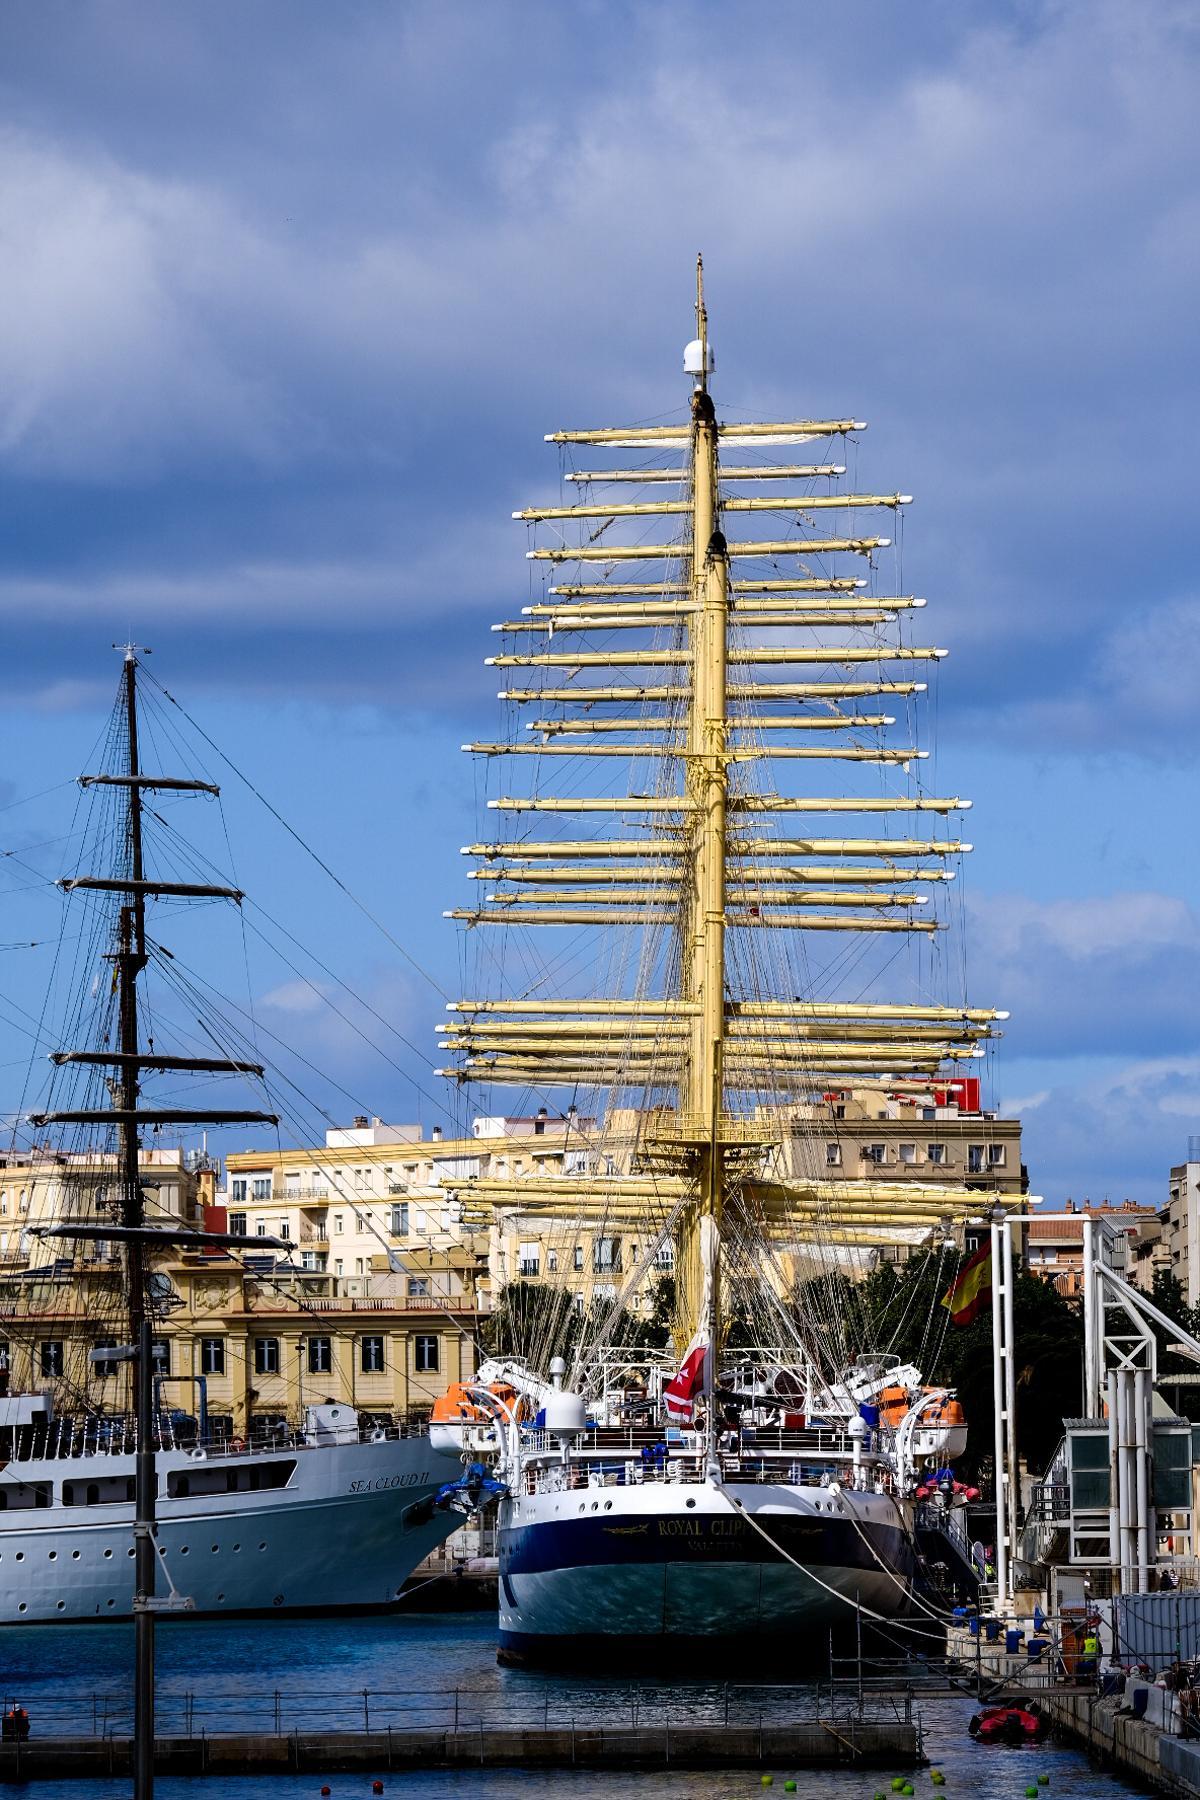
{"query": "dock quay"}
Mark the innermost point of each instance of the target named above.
(728, 1726)
(817, 1743)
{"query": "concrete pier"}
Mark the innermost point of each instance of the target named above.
(816, 1743)
(1138, 1747)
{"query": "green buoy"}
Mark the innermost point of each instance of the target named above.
(789, 1787)
(768, 1780)
(1043, 1781)
(1031, 1792)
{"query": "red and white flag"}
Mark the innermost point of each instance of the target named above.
(680, 1393)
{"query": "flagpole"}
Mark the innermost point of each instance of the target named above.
(1012, 1486)
(999, 1460)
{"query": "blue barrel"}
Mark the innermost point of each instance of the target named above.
(1012, 1640)
(1035, 1648)
(991, 1630)
(973, 1627)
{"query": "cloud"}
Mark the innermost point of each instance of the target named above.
(1113, 1134)
(303, 379)
(1090, 976)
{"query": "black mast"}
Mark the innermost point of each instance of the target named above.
(140, 1240)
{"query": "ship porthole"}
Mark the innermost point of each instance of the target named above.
(108, 1553)
(183, 1549)
(111, 1603)
(608, 1506)
(237, 1547)
(131, 1552)
(220, 1596)
(62, 1606)
(20, 1556)
(74, 1556)
(215, 1548)
(262, 1546)
(53, 1555)
(691, 1503)
(23, 1607)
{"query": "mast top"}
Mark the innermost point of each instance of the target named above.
(697, 357)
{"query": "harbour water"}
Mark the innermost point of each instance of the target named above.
(330, 1673)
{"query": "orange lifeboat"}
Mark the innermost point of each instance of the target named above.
(455, 1412)
(942, 1430)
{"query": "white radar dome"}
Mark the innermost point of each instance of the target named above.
(693, 359)
(565, 1412)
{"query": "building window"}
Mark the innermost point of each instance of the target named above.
(399, 1225)
(874, 1153)
(425, 1355)
(418, 1287)
(936, 1153)
(339, 1224)
(260, 1228)
(551, 1261)
(633, 1252)
(320, 1355)
(579, 1256)
(291, 1182)
(102, 1369)
(908, 1154)
(372, 1356)
(360, 1180)
(531, 1259)
(160, 1357)
(339, 1265)
(262, 1187)
(833, 1155)
(975, 1159)
(237, 1224)
(212, 1356)
(285, 1229)
(996, 1156)
(266, 1356)
(239, 1191)
(606, 1255)
(52, 1356)
(664, 1256)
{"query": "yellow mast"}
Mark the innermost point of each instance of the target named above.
(682, 849)
(707, 782)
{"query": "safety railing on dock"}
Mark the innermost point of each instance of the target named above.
(583, 1706)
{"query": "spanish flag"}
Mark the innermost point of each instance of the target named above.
(971, 1289)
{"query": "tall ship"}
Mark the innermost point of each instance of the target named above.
(665, 957)
(121, 1508)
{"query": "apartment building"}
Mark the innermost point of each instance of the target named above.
(944, 1136)
(44, 1186)
(1054, 1243)
(376, 1208)
(1181, 1223)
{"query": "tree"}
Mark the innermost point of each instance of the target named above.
(897, 1308)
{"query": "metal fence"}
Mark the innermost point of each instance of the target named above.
(217, 1712)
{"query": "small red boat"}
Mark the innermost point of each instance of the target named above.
(1016, 1722)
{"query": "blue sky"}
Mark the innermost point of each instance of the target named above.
(293, 291)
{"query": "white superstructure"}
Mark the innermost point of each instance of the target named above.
(335, 1518)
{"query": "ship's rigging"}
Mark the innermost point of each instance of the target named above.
(729, 970)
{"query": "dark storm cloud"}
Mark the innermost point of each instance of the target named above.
(296, 292)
